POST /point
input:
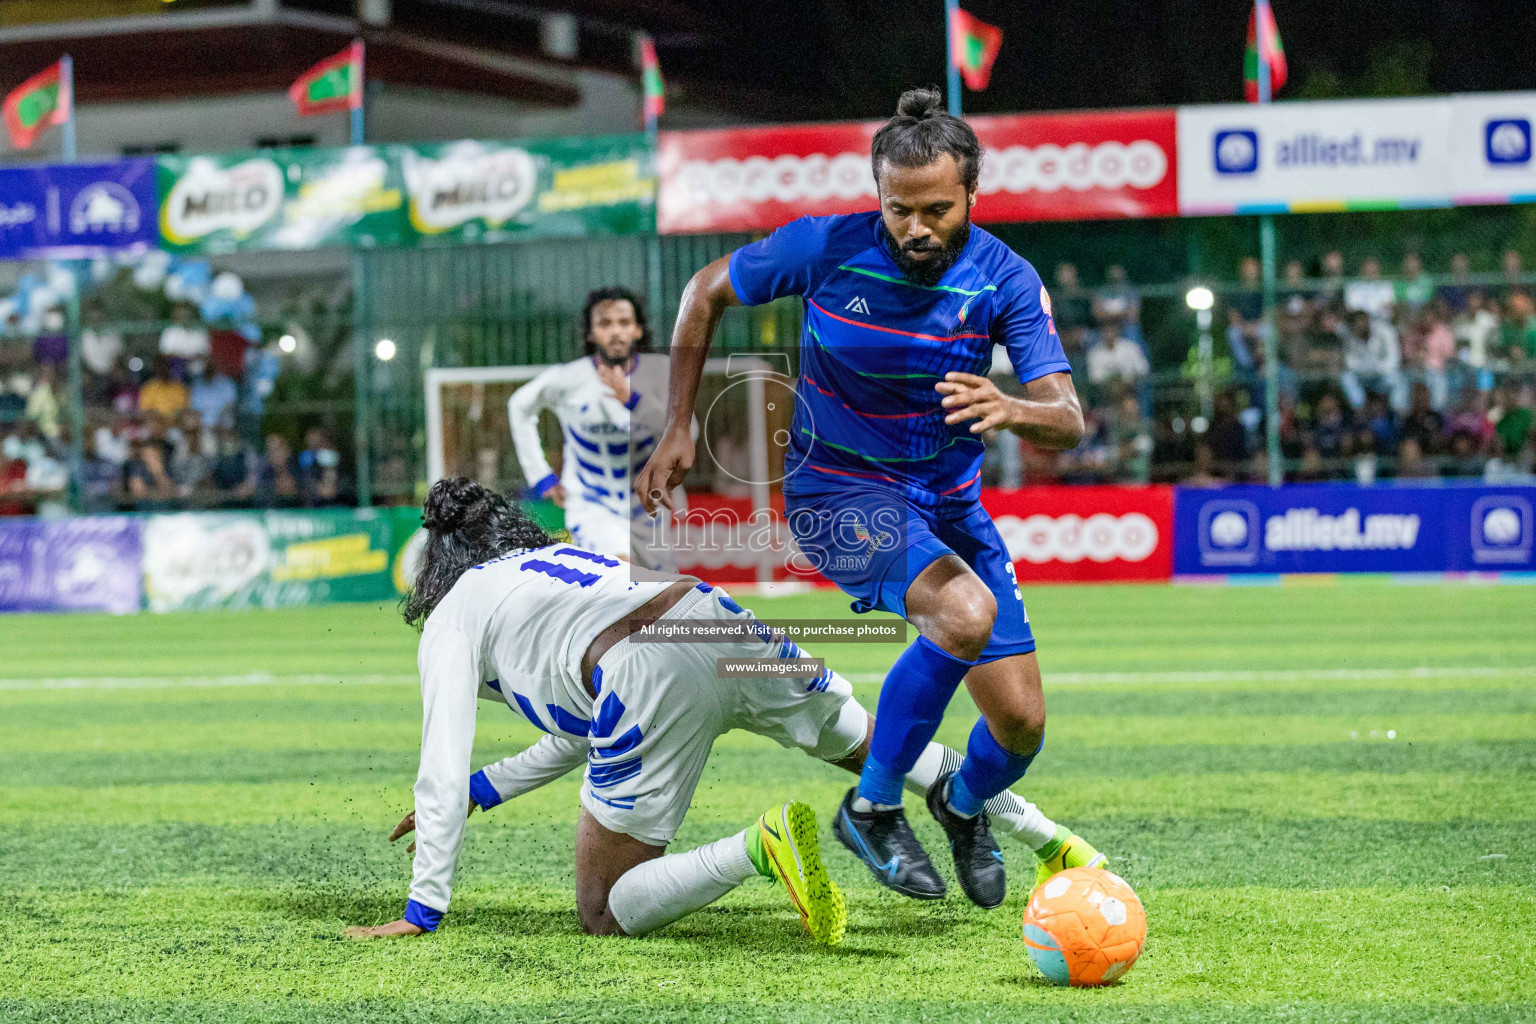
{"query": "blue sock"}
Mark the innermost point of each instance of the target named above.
(987, 770)
(912, 702)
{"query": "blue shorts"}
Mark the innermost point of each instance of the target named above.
(872, 542)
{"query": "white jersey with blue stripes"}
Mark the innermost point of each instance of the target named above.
(606, 441)
(514, 629)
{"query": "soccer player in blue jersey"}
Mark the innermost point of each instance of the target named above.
(882, 478)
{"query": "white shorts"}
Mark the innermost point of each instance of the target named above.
(597, 528)
(660, 707)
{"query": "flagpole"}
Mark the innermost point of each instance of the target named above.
(1262, 19)
(67, 73)
(653, 283)
(362, 98)
(951, 9)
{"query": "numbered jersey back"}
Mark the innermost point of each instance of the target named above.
(534, 613)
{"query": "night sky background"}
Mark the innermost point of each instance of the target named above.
(851, 58)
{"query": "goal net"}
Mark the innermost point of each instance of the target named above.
(743, 417)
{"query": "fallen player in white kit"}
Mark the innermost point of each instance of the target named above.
(549, 630)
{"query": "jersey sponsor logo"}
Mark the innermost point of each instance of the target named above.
(858, 305)
(1045, 300)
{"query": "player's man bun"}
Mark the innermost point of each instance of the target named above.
(920, 102)
(467, 524)
(921, 132)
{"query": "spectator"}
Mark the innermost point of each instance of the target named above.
(1227, 437)
(1517, 333)
(1331, 273)
(100, 346)
(1414, 287)
(1512, 420)
(110, 441)
(1329, 427)
(1438, 349)
(1513, 268)
(319, 469)
(1245, 314)
(100, 477)
(228, 350)
(1371, 358)
(1071, 307)
(144, 477)
(43, 402)
(1424, 425)
(1368, 293)
(1118, 301)
(234, 467)
(162, 394)
(1458, 289)
(183, 338)
(1411, 463)
(275, 483)
(1116, 360)
(191, 463)
(15, 499)
(51, 344)
(213, 395)
(1476, 330)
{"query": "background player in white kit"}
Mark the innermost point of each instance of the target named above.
(548, 630)
(611, 404)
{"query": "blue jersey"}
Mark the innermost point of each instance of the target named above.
(874, 345)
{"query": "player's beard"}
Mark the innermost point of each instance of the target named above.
(622, 360)
(927, 272)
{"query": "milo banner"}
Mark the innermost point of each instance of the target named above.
(494, 191)
(267, 559)
(363, 196)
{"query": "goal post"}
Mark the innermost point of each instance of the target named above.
(743, 411)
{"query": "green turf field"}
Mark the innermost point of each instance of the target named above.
(185, 843)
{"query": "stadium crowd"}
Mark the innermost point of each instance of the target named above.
(1411, 376)
(168, 420)
(1406, 376)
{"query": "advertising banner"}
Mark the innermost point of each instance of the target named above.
(74, 211)
(279, 199)
(366, 196)
(267, 559)
(1343, 528)
(1075, 166)
(85, 564)
(1315, 156)
(1491, 153)
(492, 191)
(1077, 534)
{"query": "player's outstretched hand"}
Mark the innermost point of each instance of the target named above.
(394, 930)
(969, 397)
(408, 825)
(556, 494)
(664, 471)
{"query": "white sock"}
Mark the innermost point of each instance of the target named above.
(660, 891)
(864, 806)
(1011, 814)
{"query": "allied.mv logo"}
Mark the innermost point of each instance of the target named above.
(858, 305)
(1502, 527)
(104, 207)
(1229, 533)
(1237, 151)
(1507, 141)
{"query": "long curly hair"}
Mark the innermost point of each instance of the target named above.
(467, 524)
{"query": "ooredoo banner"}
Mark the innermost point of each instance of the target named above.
(1073, 166)
(1078, 534)
(1344, 528)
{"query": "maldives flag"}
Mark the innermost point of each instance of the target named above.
(1269, 46)
(331, 86)
(32, 106)
(654, 89)
(973, 46)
